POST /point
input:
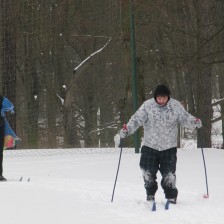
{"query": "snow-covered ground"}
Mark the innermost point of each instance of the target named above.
(75, 186)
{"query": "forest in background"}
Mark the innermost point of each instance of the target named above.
(66, 65)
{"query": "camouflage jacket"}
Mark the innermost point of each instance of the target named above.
(160, 123)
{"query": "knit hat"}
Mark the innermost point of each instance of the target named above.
(162, 90)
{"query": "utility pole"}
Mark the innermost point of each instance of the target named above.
(134, 77)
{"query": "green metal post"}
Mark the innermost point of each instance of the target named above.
(134, 77)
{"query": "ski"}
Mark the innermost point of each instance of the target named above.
(22, 179)
(153, 206)
(167, 205)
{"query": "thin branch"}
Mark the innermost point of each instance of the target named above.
(88, 35)
(81, 67)
(94, 53)
(205, 43)
(217, 102)
(102, 129)
(213, 120)
(214, 62)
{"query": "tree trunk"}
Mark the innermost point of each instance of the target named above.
(204, 95)
(9, 55)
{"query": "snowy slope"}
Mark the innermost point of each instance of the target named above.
(70, 186)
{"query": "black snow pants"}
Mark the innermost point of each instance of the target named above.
(165, 161)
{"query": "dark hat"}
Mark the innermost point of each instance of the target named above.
(162, 90)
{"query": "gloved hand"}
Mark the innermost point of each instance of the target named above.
(198, 123)
(123, 135)
(124, 132)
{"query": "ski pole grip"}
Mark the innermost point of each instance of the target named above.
(125, 127)
(121, 145)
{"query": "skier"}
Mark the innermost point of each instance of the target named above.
(160, 117)
(5, 105)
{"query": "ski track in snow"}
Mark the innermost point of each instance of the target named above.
(75, 187)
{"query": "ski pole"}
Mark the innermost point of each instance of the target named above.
(121, 146)
(206, 178)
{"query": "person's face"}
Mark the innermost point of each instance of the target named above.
(162, 100)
